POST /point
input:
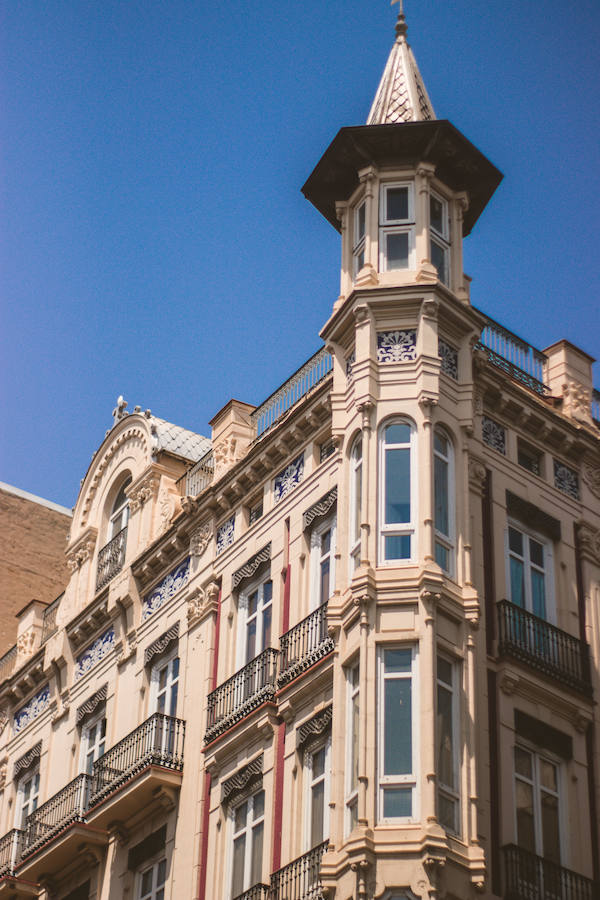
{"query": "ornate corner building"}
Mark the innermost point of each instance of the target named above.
(349, 646)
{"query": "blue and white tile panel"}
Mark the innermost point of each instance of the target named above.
(97, 651)
(225, 535)
(163, 591)
(32, 710)
(290, 478)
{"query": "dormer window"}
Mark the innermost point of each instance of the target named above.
(396, 227)
(358, 243)
(439, 236)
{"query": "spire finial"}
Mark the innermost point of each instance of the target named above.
(401, 26)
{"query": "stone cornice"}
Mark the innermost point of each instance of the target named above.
(88, 622)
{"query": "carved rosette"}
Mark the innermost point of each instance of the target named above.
(200, 539)
(589, 542)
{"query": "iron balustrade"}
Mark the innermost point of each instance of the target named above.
(241, 693)
(157, 741)
(61, 810)
(11, 848)
(297, 386)
(543, 646)
(300, 879)
(596, 406)
(531, 877)
(256, 892)
(49, 626)
(111, 558)
(8, 663)
(303, 645)
(519, 359)
(198, 477)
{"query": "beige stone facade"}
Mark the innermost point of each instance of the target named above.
(349, 647)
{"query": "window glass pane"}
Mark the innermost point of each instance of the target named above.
(240, 816)
(267, 592)
(515, 541)
(548, 775)
(397, 803)
(440, 443)
(442, 557)
(259, 805)
(397, 486)
(360, 223)
(525, 823)
(397, 434)
(324, 593)
(398, 727)
(517, 587)
(257, 854)
(317, 809)
(173, 703)
(536, 553)
(354, 744)
(440, 468)
(357, 500)
(252, 603)
(397, 546)
(550, 832)
(146, 882)
(444, 670)
(438, 259)
(396, 250)
(523, 763)
(251, 640)
(447, 812)
(162, 872)
(445, 737)
(436, 214)
(396, 204)
(397, 660)
(325, 542)
(266, 628)
(538, 594)
(318, 763)
(239, 853)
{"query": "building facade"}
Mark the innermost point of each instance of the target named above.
(348, 647)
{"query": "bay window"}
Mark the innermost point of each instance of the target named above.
(397, 493)
(397, 735)
(248, 822)
(448, 750)
(439, 236)
(396, 227)
(443, 500)
(355, 503)
(358, 240)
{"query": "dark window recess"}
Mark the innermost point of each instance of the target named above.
(326, 449)
(532, 516)
(542, 735)
(80, 893)
(256, 512)
(149, 847)
(529, 458)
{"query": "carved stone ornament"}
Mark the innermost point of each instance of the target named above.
(91, 704)
(246, 781)
(577, 402)
(477, 473)
(26, 644)
(3, 719)
(226, 453)
(591, 476)
(169, 505)
(27, 760)
(589, 542)
(200, 539)
(82, 549)
(250, 568)
(314, 729)
(161, 644)
(142, 491)
(199, 600)
(396, 346)
(320, 508)
(3, 773)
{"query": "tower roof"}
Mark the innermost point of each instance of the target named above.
(401, 95)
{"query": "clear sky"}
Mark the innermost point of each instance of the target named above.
(155, 241)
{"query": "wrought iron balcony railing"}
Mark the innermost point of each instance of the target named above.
(157, 741)
(111, 559)
(297, 386)
(531, 877)
(241, 693)
(543, 646)
(300, 879)
(8, 663)
(303, 645)
(596, 406)
(49, 626)
(520, 360)
(61, 810)
(256, 892)
(198, 477)
(11, 848)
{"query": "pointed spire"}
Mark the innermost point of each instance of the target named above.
(401, 95)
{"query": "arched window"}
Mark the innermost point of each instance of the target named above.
(397, 493)
(120, 511)
(355, 503)
(443, 500)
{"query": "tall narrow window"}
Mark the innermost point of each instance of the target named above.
(443, 499)
(165, 686)
(317, 763)
(447, 744)
(358, 248)
(352, 738)
(152, 882)
(27, 797)
(248, 832)
(529, 572)
(397, 494)
(396, 227)
(256, 606)
(322, 543)
(93, 740)
(397, 752)
(355, 503)
(120, 511)
(439, 227)
(538, 806)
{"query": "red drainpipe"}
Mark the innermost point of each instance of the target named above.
(280, 748)
(206, 786)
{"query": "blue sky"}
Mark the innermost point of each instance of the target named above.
(155, 242)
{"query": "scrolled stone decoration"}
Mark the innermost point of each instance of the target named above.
(165, 589)
(169, 505)
(3, 773)
(313, 730)
(246, 781)
(249, 569)
(200, 539)
(577, 402)
(477, 473)
(81, 552)
(226, 454)
(4, 717)
(27, 760)
(589, 542)
(591, 477)
(199, 599)
(320, 508)
(26, 643)
(142, 492)
(91, 704)
(161, 643)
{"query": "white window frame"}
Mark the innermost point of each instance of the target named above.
(447, 541)
(243, 618)
(441, 238)
(548, 568)
(25, 808)
(398, 528)
(154, 868)
(396, 226)
(408, 780)
(310, 782)
(249, 845)
(539, 754)
(122, 511)
(316, 559)
(168, 661)
(352, 695)
(453, 794)
(85, 746)
(354, 529)
(358, 240)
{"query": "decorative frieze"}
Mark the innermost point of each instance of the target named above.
(96, 652)
(35, 707)
(449, 358)
(320, 508)
(249, 569)
(246, 781)
(589, 542)
(225, 534)
(396, 346)
(493, 434)
(200, 539)
(164, 590)
(289, 478)
(91, 704)
(28, 759)
(161, 644)
(566, 479)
